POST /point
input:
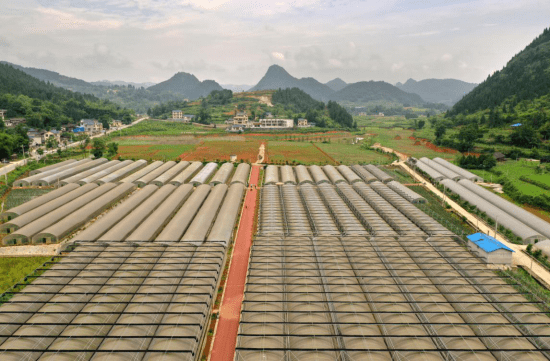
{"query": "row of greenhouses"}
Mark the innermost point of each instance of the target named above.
(101, 171)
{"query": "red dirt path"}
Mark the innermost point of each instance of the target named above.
(225, 338)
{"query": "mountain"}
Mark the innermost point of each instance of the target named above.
(363, 92)
(446, 91)
(525, 77)
(73, 84)
(109, 83)
(187, 85)
(236, 87)
(336, 84)
(277, 77)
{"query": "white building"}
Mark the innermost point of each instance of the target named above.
(177, 114)
(91, 126)
(276, 123)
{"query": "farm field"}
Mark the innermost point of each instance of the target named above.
(349, 154)
(12, 270)
(513, 171)
(18, 197)
(212, 149)
(399, 140)
(296, 152)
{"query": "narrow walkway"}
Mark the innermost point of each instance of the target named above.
(519, 258)
(225, 338)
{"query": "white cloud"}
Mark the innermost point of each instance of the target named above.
(278, 55)
(446, 57)
(397, 66)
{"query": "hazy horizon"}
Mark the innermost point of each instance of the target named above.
(234, 42)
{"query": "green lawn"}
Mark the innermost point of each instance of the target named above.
(13, 270)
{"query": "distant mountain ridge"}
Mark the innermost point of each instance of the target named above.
(277, 77)
(236, 87)
(109, 83)
(187, 85)
(336, 84)
(446, 91)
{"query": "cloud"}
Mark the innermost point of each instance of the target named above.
(4, 42)
(397, 66)
(446, 57)
(278, 55)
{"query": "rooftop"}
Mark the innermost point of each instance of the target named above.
(487, 243)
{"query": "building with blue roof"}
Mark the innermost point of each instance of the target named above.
(490, 249)
(516, 125)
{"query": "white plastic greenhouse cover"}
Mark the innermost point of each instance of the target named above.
(303, 175)
(241, 174)
(36, 202)
(115, 176)
(271, 175)
(223, 174)
(28, 180)
(459, 170)
(348, 173)
(51, 167)
(441, 169)
(78, 218)
(130, 222)
(202, 222)
(105, 223)
(170, 174)
(495, 213)
(97, 175)
(333, 174)
(45, 208)
(186, 174)
(381, 175)
(287, 175)
(318, 174)
(144, 171)
(146, 179)
(204, 175)
(150, 228)
(364, 174)
(53, 178)
(406, 192)
(83, 174)
(515, 211)
(435, 175)
(223, 227)
(180, 222)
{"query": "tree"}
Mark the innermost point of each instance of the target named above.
(85, 142)
(98, 147)
(241, 107)
(440, 129)
(467, 136)
(421, 124)
(112, 148)
(40, 151)
(105, 119)
(51, 143)
(525, 136)
(6, 145)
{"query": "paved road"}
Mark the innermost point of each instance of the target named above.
(519, 258)
(225, 337)
(13, 165)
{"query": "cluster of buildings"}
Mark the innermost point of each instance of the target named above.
(178, 116)
(91, 127)
(240, 121)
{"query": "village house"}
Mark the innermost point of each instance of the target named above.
(36, 137)
(241, 118)
(177, 114)
(276, 123)
(302, 122)
(14, 122)
(116, 123)
(3, 113)
(91, 126)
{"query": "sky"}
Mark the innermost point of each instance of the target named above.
(235, 41)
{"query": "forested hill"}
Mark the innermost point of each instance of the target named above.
(525, 77)
(186, 85)
(47, 106)
(376, 91)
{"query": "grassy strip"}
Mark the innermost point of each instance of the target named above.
(15, 272)
(442, 214)
(525, 283)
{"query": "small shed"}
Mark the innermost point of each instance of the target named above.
(490, 249)
(499, 156)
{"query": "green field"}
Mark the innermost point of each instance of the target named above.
(18, 197)
(512, 170)
(349, 154)
(13, 270)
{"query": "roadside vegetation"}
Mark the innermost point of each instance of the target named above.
(14, 270)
